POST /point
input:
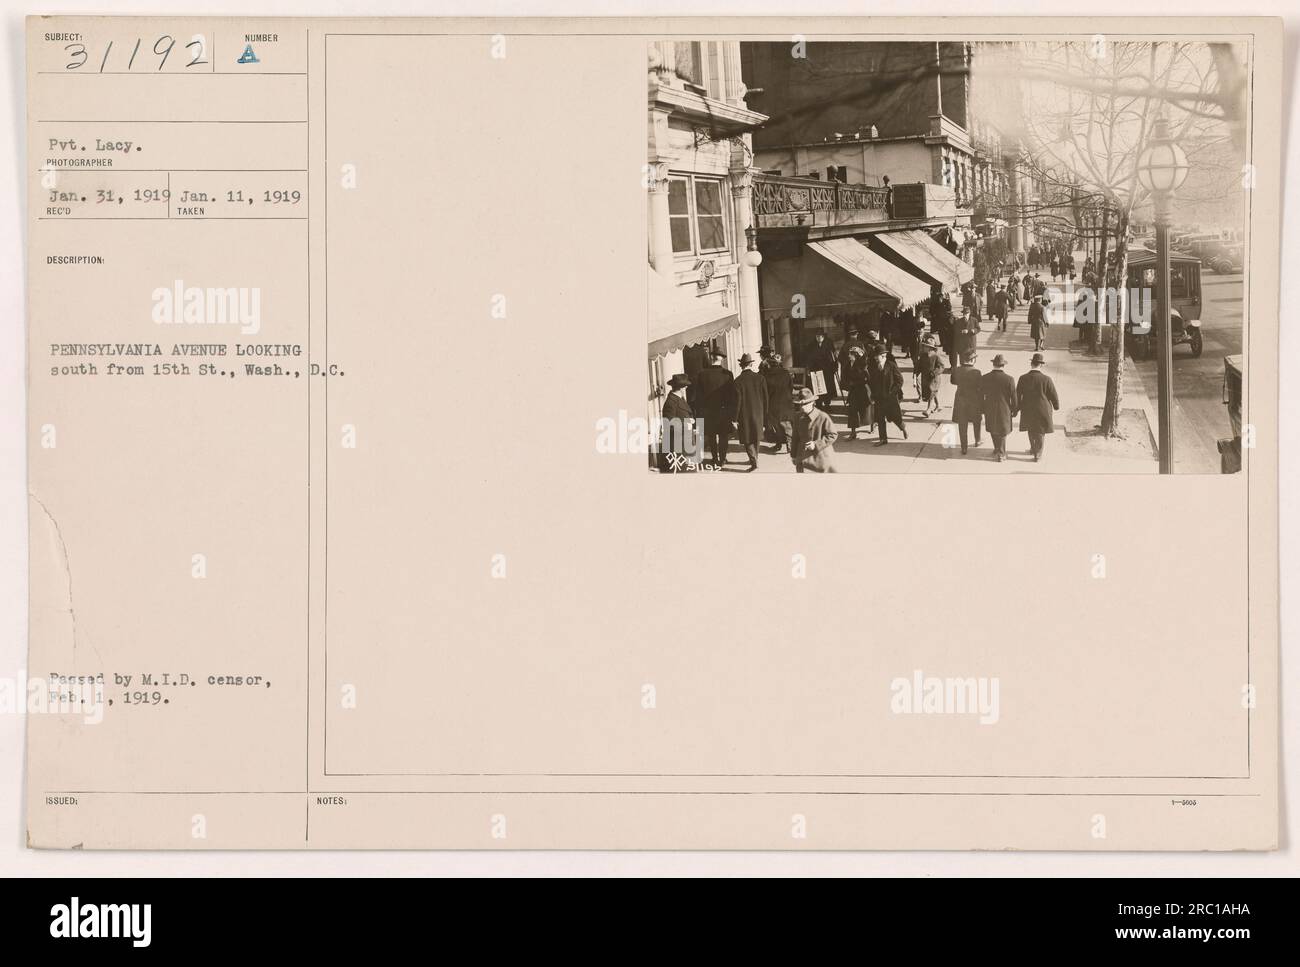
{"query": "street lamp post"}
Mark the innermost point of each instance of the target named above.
(1161, 170)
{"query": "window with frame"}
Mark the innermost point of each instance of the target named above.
(697, 214)
(679, 215)
(1180, 283)
(699, 64)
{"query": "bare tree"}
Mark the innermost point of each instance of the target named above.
(1081, 114)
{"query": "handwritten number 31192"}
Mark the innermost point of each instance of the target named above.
(78, 55)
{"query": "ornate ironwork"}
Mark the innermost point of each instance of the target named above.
(791, 196)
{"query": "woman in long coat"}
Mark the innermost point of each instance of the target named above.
(1037, 323)
(857, 383)
(931, 376)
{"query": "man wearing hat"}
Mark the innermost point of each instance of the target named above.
(1000, 303)
(1036, 397)
(967, 403)
(714, 403)
(909, 326)
(887, 327)
(812, 442)
(965, 336)
(821, 357)
(779, 407)
(886, 384)
(999, 393)
(916, 351)
(678, 427)
(751, 407)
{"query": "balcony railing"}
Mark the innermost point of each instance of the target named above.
(784, 202)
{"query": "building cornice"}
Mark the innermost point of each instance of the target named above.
(697, 107)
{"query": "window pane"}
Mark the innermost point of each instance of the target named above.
(708, 197)
(681, 232)
(1178, 281)
(689, 62)
(712, 234)
(677, 197)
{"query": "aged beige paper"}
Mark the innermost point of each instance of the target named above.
(351, 344)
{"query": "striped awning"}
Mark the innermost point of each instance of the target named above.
(678, 319)
(932, 259)
(859, 261)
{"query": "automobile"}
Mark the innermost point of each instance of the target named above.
(1220, 256)
(1189, 241)
(1185, 302)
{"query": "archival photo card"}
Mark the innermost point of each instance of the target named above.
(415, 409)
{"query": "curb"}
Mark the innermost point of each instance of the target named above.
(1134, 387)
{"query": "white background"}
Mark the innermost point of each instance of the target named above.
(15, 859)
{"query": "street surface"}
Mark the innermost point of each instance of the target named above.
(1200, 418)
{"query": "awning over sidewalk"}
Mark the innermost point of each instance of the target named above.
(855, 258)
(931, 258)
(678, 320)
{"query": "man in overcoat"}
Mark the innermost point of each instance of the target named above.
(968, 402)
(812, 444)
(887, 326)
(779, 408)
(1000, 304)
(714, 404)
(965, 336)
(821, 356)
(751, 408)
(1037, 399)
(1000, 405)
(886, 383)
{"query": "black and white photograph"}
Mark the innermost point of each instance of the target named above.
(926, 257)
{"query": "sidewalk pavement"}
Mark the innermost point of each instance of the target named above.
(1080, 382)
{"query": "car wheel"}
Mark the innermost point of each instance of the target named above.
(1198, 343)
